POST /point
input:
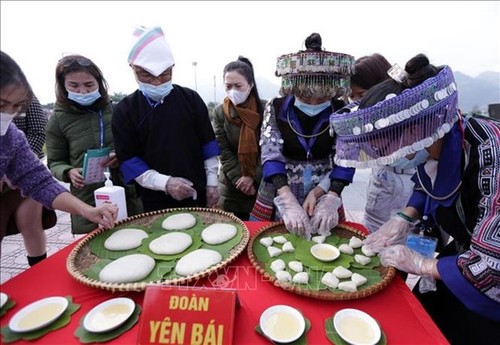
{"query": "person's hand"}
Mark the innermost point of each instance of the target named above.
(294, 216)
(111, 162)
(394, 231)
(407, 260)
(104, 215)
(180, 188)
(326, 214)
(311, 200)
(245, 185)
(76, 178)
(212, 196)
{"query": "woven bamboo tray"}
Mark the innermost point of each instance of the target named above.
(81, 257)
(343, 231)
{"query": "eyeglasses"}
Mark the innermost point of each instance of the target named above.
(146, 77)
(68, 61)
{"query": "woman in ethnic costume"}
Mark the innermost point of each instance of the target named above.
(457, 190)
(299, 176)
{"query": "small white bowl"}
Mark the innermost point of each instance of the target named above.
(3, 299)
(109, 315)
(38, 314)
(282, 323)
(357, 327)
(325, 252)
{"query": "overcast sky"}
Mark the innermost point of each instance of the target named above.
(462, 34)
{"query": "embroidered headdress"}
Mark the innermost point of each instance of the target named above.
(150, 50)
(399, 125)
(315, 73)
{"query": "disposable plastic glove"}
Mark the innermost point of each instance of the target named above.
(407, 260)
(326, 215)
(180, 188)
(394, 231)
(212, 196)
(294, 216)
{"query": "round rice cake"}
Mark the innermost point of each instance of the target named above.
(197, 261)
(127, 269)
(181, 221)
(218, 233)
(172, 243)
(125, 239)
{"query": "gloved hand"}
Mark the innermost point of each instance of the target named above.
(212, 196)
(294, 216)
(394, 231)
(407, 260)
(326, 215)
(180, 188)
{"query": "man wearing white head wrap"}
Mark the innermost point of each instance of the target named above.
(162, 131)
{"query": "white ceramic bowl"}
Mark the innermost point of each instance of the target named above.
(356, 327)
(109, 315)
(325, 252)
(38, 314)
(3, 299)
(282, 323)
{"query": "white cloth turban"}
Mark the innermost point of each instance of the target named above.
(151, 51)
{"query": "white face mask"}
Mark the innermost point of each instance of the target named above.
(84, 99)
(311, 109)
(6, 119)
(238, 97)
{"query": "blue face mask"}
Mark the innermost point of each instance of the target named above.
(156, 93)
(84, 99)
(311, 109)
(404, 163)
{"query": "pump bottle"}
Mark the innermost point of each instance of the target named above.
(112, 194)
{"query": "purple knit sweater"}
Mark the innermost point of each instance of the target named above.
(24, 170)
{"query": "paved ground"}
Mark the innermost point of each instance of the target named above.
(13, 255)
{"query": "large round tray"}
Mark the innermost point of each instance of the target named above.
(343, 231)
(81, 257)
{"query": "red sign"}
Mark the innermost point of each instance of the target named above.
(187, 315)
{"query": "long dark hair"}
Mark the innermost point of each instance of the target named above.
(418, 68)
(79, 63)
(11, 74)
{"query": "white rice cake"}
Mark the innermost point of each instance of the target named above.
(355, 242)
(273, 251)
(296, 266)
(362, 260)
(346, 249)
(341, 272)
(172, 243)
(125, 239)
(287, 247)
(197, 261)
(348, 286)
(127, 269)
(318, 239)
(280, 239)
(330, 280)
(278, 265)
(367, 251)
(301, 278)
(218, 233)
(181, 221)
(283, 276)
(266, 241)
(358, 279)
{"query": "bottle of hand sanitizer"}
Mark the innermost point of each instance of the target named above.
(112, 194)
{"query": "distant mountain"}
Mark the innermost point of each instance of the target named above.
(476, 93)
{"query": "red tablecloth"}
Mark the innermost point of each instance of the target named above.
(400, 315)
